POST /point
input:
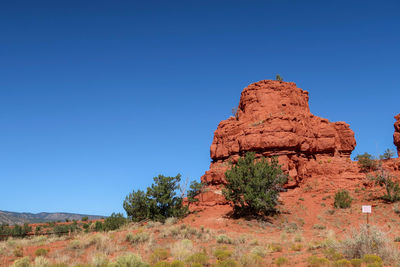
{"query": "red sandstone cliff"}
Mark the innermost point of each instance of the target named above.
(396, 135)
(274, 119)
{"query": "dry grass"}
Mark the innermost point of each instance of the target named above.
(251, 260)
(41, 262)
(189, 245)
(99, 260)
(224, 239)
(138, 238)
(181, 250)
(368, 240)
(102, 243)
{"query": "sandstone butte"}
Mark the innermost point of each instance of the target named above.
(396, 135)
(274, 119)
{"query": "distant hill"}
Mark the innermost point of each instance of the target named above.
(26, 217)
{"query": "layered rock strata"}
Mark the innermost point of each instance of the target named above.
(396, 135)
(273, 119)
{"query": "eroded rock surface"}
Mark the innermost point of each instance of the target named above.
(396, 135)
(274, 119)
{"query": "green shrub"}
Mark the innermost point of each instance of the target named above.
(24, 262)
(253, 185)
(197, 258)
(388, 154)
(315, 261)
(342, 263)
(158, 203)
(41, 252)
(222, 253)
(291, 228)
(84, 219)
(140, 237)
(342, 199)
(278, 78)
(251, 260)
(370, 258)
(61, 229)
(18, 230)
(162, 264)
(177, 263)
(18, 251)
(227, 263)
(4, 230)
(298, 238)
(332, 254)
(319, 227)
(195, 189)
(281, 261)
(385, 179)
(114, 222)
(296, 247)
(98, 226)
(129, 260)
(159, 254)
(137, 205)
(356, 262)
(275, 247)
(223, 239)
(374, 264)
(366, 162)
(259, 251)
(129, 237)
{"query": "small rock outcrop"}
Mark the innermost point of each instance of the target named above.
(273, 119)
(396, 135)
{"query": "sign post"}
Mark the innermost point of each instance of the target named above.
(367, 209)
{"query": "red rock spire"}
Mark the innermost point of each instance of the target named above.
(396, 135)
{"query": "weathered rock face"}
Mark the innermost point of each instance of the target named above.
(396, 135)
(274, 119)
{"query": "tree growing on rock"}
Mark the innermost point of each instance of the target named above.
(385, 179)
(388, 154)
(196, 188)
(366, 162)
(279, 78)
(253, 186)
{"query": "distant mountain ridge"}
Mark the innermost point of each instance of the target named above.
(26, 217)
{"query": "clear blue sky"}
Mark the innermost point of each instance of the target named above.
(98, 97)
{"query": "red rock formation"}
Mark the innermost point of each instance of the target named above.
(274, 119)
(396, 135)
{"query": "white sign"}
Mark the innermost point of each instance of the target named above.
(366, 209)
